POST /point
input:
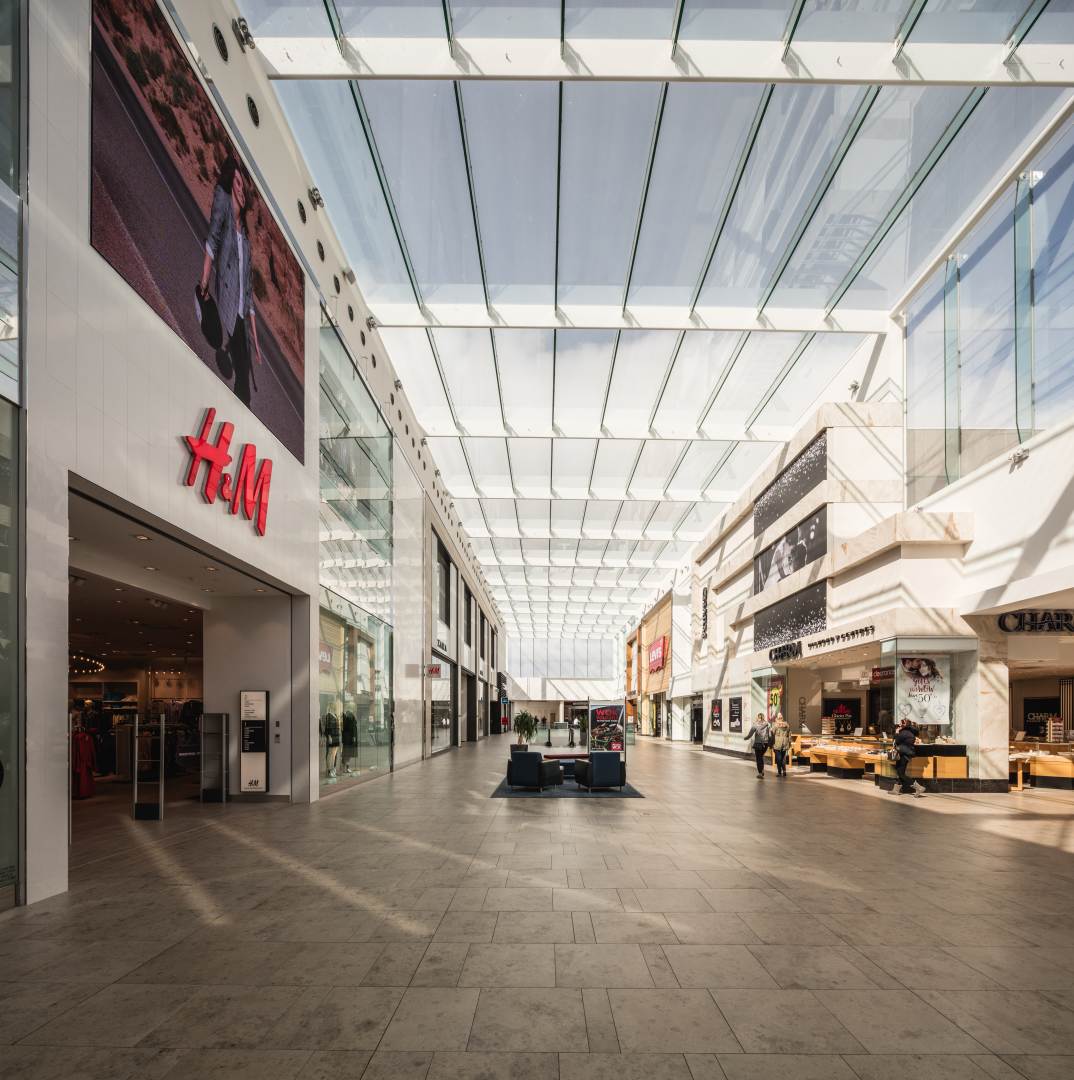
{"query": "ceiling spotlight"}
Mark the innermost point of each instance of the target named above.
(211, 569)
(139, 536)
(241, 29)
(370, 323)
(206, 590)
(118, 588)
(348, 273)
(315, 197)
(73, 538)
(259, 589)
(150, 567)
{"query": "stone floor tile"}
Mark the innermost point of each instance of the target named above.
(660, 969)
(441, 965)
(583, 928)
(746, 900)
(712, 928)
(533, 927)
(98, 961)
(784, 1022)
(1008, 1021)
(718, 967)
(650, 928)
(787, 1067)
(612, 879)
(671, 900)
(670, 879)
(432, 1018)
(870, 1015)
(1019, 968)
(601, 966)
(396, 964)
(552, 879)
(510, 965)
(530, 1021)
(398, 1065)
(25, 1062)
(615, 1066)
(335, 1065)
(337, 1018)
(238, 1065)
(520, 899)
(928, 969)
(26, 1006)
(493, 1066)
(466, 926)
(1042, 1066)
(399, 926)
(810, 967)
(586, 900)
(600, 1027)
(728, 878)
(338, 963)
(772, 928)
(670, 1022)
(705, 1067)
(923, 1067)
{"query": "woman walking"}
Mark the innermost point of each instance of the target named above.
(781, 743)
(761, 733)
(905, 738)
(228, 248)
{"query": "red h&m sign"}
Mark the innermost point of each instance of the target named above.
(248, 487)
(658, 654)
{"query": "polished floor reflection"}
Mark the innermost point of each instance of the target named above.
(412, 927)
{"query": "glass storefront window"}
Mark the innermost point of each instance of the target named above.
(354, 680)
(767, 695)
(444, 712)
(10, 734)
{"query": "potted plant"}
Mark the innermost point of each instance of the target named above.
(525, 724)
(583, 728)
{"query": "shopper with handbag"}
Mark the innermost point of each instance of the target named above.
(905, 738)
(761, 733)
(781, 743)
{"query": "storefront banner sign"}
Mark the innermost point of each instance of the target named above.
(324, 657)
(846, 712)
(253, 740)
(1036, 712)
(923, 689)
(798, 547)
(607, 726)
(882, 674)
(434, 671)
(782, 653)
(657, 654)
(734, 714)
(717, 714)
(777, 686)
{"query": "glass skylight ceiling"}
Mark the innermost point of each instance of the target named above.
(609, 299)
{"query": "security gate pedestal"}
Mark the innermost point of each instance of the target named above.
(147, 798)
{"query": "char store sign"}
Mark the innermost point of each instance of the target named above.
(247, 487)
(658, 654)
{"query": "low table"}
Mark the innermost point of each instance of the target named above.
(566, 761)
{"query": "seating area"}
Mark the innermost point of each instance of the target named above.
(597, 770)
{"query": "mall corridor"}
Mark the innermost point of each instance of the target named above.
(415, 927)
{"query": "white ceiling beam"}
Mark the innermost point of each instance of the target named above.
(886, 62)
(612, 317)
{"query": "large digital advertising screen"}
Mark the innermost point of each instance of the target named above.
(176, 213)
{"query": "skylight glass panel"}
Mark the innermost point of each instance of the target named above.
(450, 460)
(500, 515)
(607, 129)
(583, 360)
(391, 18)
(491, 468)
(641, 362)
(585, 576)
(533, 516)
(954, 21)
(512, 131)
(343, 171)
(600, 518)
(535, 552)
(614, 464)
(754, 371)
(563, 553)
(632, 519)
(699, 362)
(734, 20)
(808, 381)
(466, 359)
(655, 467)
(619, 18)
(572, 462)
(525, 360)
(567, 517)
(606, 578)
(739, 469)
(702, 458)
(632, 575)
(699, 520)
(1055, 26)
(643, 555)
(531, 466)
(617, 553)
(1007, 119)
(509, 552)
(469, 511)
(801, 130)
(590, 553)
(662, 523)
(506, 18)
(690, 182)
(902, 127)
(851, 20)
(416, 127)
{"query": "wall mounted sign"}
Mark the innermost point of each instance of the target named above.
(704, 613)
(658, 654)
(1036, 622)
(324, 656)
(796, 616)
(846, 712)
(253, 740)
(882, 674)
(734, 714)
(607, 725)
(842, 637)
(804, 473)
(923, 689)
(717, 714)
(798, 547)
(248, 487)
(791, 651)
(434, 671)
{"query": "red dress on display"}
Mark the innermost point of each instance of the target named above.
(83, 759)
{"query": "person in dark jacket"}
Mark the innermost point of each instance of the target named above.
(761, 733)
(905, 738)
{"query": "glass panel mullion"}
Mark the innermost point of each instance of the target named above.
(951, 370)
(1023, 306)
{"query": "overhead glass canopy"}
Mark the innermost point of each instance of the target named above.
(619, 249)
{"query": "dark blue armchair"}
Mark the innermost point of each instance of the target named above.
(528, 769)
(604, 769)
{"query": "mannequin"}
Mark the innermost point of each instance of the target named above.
(332, 737)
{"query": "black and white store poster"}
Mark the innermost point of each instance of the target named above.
(717, 714)
(253, 740)
(734, 714)
(798, 547)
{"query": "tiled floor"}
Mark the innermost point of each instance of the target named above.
(414, 928)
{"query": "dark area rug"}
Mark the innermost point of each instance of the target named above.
(567, 790)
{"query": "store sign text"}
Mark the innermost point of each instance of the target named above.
(704, 613)
(1036, 622)
(845, 636)
(882, 674)
(657, 654)
(791, 651)
(248, 487)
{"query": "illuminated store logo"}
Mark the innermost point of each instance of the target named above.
(791, 651)
(248, 487)
(1036, 622)
(658, 653)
